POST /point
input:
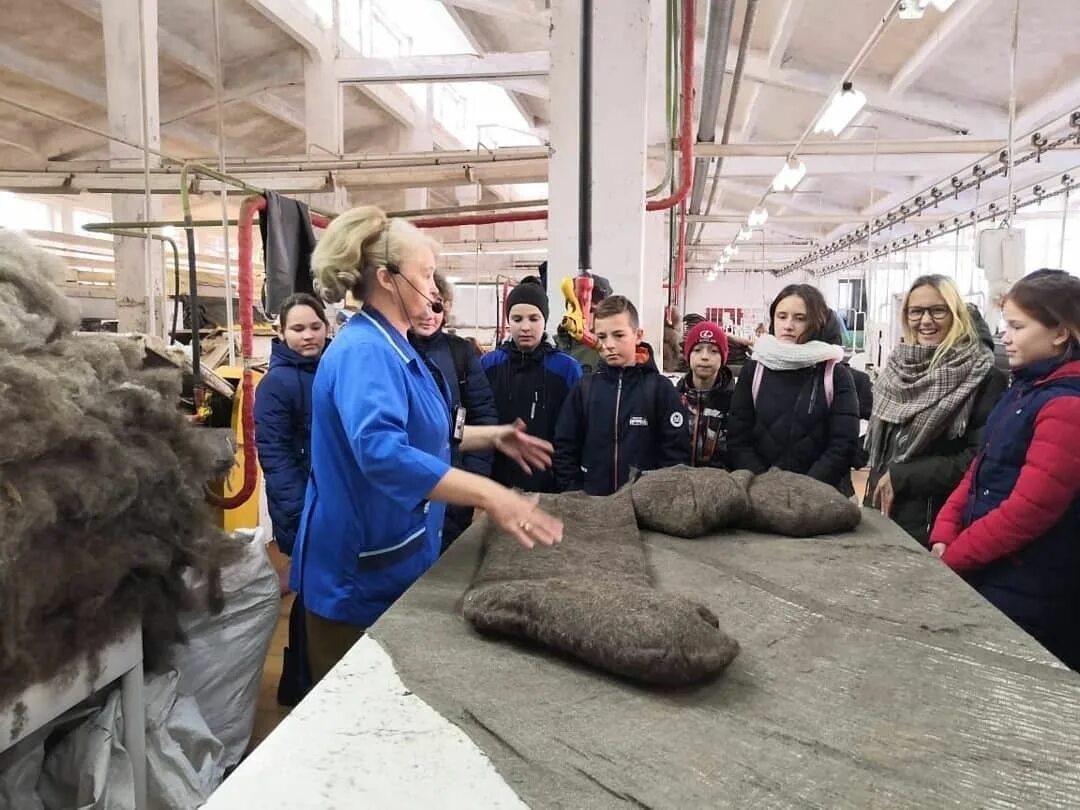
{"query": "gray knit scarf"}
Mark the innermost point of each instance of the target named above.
(927, 402)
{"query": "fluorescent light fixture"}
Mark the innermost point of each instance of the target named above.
(758, 217)
(789, 176)
(454, 279)
(745, 234)
(912, 9)
(731, 250)
(842, 108)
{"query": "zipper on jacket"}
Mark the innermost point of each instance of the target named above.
(694, 436)
(618, 398)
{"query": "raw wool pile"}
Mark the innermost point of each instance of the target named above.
(695, 502)
(101, 499)
(591, 597)
(691, 502)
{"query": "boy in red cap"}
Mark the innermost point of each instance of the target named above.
(706, 391)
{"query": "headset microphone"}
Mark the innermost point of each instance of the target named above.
(436, 306)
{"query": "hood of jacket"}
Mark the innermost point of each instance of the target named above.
(981, 327)
(725, 380)
(646, 362)
(519, 357)
(281, 356)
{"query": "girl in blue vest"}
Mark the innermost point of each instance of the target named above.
(1011, 527)
(381, 439)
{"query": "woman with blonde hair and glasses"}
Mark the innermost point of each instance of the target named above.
(931, 402)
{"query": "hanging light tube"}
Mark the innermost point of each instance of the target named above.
(745, 234)
(789, 176)
(843, 107)
(758, 217)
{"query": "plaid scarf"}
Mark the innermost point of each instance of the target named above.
(927, 402)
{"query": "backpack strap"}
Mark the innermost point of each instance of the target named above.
(460, 351)
(830, 381)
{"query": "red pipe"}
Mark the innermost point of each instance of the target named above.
(245, 291)
(686, 137)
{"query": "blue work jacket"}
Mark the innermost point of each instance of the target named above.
(380, 442)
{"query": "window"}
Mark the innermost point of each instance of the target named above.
(20, 213)
(81, 217)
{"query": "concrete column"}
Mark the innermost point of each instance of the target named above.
(138, 281)
(419, 138)
(563, 168)
(325, 130)
(620, 75)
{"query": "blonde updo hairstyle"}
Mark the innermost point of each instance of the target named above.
(356, 245)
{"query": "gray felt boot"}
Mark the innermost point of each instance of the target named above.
(591, 597)
(798, 506)
(691, 501)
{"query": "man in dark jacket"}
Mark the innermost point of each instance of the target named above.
(624, 416)
(456, 361)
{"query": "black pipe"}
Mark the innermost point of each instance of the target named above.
(193, 304)
(585, 154)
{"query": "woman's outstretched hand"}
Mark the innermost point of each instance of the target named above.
(531, 454)
(521, 516)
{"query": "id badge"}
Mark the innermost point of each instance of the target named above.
(459, 423)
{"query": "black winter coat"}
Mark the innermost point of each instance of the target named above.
(531, 386)
(792, 426)
(707, 413)
(615, 420)
(479, 404)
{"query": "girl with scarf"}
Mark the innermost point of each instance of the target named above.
(931, 402)
(1010, 527)
(795, 405)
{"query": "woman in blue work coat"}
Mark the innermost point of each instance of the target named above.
(381, 441)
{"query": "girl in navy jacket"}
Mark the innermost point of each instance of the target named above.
(1010, 528)
(283, 412)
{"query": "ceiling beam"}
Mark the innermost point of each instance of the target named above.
(297, 22)
(785, 30)
(516, 10)
(983, 120)
(19, 136)
(954, 25)
(182, 53)
(443, 68)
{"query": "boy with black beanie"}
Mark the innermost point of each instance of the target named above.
(530, 379)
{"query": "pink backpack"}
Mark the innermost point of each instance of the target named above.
(830, 371)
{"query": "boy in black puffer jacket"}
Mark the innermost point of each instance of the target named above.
(530, 379)
(624, 416)
(706, 392)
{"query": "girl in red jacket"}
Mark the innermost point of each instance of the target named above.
(1011, 526)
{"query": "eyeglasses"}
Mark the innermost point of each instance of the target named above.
(938, 313)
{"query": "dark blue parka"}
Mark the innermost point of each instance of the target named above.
(618, 419)
(479, 405)
(283, 437)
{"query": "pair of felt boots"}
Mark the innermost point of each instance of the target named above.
(592, 596)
